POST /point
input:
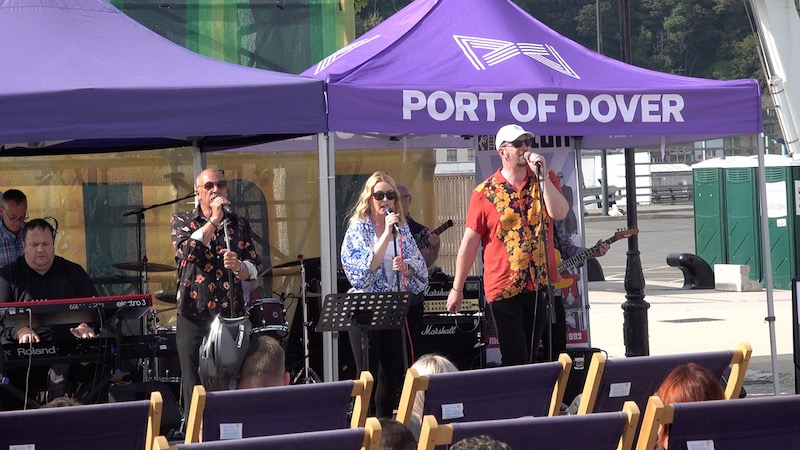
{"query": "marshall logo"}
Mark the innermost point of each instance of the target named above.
(495, 51)
(436, 292)
(439, 330)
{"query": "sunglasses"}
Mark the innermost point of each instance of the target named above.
(221, 184)
(391, 195)
(517, 143)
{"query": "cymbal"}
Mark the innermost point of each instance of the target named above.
(137, 266)
(167, 296)
(306, 261)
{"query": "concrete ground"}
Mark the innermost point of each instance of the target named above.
(687, 320)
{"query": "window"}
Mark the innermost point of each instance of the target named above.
(452, 155)
(471, 154)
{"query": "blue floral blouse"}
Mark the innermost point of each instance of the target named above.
(358, 248)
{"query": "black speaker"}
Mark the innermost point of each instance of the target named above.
(170, 413)
(457, 337)
(581, 359)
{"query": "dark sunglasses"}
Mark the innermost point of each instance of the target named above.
(391, 195)
(221, 184)
(518, 142)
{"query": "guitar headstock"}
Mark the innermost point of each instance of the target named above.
(625, 233)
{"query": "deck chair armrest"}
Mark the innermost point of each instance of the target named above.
(561, 385)
(372, 438)
(592, 384)
(656, 413)
(362, 392)
(629, 434)
(194, 421)
(413, 384)
(739, 363)
(432, 434)
(161, 443)
(154, 419)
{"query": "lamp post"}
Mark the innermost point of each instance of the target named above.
(634, 328)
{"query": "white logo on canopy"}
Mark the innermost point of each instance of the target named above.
(500, 51)
(341, 52)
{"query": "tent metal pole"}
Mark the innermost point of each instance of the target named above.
(327, 228)
(766, 256)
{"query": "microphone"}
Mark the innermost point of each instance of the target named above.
(388, 210)
(228, 210)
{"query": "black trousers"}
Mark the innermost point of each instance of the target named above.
(386, 362)
(190, 334)
(520, 322)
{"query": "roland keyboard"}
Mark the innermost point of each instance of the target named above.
(102, 349)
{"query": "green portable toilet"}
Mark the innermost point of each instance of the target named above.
(782, 182)
(742, 224)
(709, 211)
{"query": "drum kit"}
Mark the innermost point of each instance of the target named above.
(267, 317)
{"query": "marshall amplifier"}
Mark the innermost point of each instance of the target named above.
(437, 291)
(456, 336)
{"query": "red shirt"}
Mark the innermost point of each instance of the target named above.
(508, 221)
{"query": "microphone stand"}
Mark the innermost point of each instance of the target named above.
(230, 271)
(550, 307)
(398, 273)
(139, 212)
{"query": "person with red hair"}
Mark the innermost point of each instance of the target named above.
(687, 383)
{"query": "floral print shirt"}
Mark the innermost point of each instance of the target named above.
(203, 282)
(509, 222)
(358, 248)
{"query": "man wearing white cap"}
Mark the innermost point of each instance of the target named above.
(508, 213)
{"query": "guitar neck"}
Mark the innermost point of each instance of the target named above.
(422, 241)
(583, 256)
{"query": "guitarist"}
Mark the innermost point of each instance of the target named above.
(429, 253)
(558, 343)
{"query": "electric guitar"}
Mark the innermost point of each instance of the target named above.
(581, 257)
(422, 239)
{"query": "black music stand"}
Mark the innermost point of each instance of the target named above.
(364, 311)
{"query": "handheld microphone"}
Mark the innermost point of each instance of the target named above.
(388, 210)
(228, 210)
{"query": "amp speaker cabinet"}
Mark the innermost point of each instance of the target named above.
(581, 359)
(458, 337)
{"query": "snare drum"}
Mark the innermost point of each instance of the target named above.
(268, 317)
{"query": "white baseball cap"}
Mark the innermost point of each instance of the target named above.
(509, 133)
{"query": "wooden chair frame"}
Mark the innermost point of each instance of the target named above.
(362, 392)
(372, 438)
(433, 434)
(739, 362)
(414, 383)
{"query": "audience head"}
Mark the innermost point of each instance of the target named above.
(687, 383)
(14, 208)
(38, 244)
(264, 366)
(482, 442)
(396, 436)
(384, 186)
(429, 364)
(61, 401)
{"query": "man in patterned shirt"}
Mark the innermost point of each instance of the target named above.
(203, 260)
(507, 213)
(14, 208)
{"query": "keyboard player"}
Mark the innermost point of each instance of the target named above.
(40, 275)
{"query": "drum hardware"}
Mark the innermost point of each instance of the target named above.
(144, 266)
(167, 297)
(268, 316)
